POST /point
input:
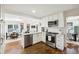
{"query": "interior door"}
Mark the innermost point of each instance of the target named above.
(60, 42)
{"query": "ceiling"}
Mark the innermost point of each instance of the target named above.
(41, 9)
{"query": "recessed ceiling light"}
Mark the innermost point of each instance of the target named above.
(33, 11)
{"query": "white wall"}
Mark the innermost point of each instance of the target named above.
(11, 18)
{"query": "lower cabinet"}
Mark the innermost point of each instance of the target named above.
(60, 42)
(39, 37)
(36, 38)
(33, 38)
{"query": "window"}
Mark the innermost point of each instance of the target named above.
(13, 28)
(21, 27)
(10, 28)
(16, 28)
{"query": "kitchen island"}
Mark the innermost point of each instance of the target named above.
(32, 38)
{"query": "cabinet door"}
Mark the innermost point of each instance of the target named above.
(60, 42)
(43, 36)
(39, 37)
(35, 38)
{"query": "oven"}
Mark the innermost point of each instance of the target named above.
(51, 39)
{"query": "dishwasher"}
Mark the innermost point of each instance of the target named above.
(28, 40)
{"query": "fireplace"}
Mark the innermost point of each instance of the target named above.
(51, 39)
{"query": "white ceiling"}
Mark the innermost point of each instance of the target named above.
(41, 9)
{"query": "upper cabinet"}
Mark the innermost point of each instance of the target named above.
(57, 19)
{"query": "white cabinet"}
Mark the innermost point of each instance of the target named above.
(37, 37)
(43, 36)
(60, 42)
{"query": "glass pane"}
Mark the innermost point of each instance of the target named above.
(16, 28)
(76, 29)
(21, 27)
(10, 28)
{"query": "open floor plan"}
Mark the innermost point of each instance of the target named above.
(39, 28)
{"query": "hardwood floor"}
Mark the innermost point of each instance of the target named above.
(13, 48)
(39, 48)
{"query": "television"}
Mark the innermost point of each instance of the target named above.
(52, 23)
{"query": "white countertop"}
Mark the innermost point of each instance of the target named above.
(32, 33)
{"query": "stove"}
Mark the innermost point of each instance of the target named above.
(51, 39)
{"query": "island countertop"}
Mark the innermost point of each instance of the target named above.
(32, 33)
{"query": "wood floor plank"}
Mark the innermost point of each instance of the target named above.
(39, 48)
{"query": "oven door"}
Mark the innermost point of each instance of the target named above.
(60, 42)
